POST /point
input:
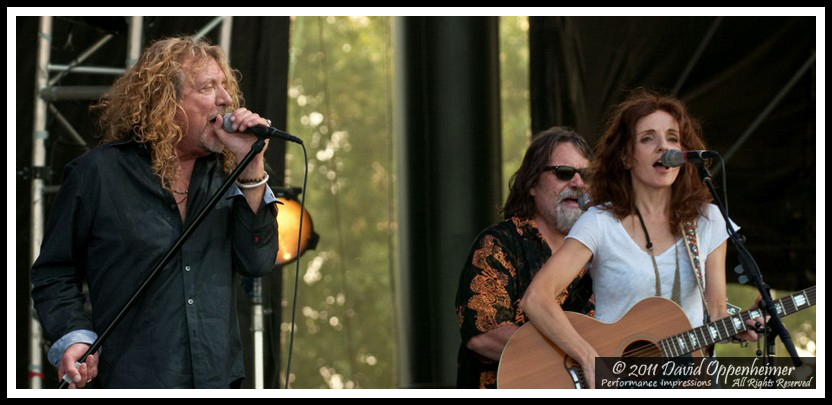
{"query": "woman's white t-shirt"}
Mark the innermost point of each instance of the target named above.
(623, 274)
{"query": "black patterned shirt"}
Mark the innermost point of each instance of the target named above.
(499, 268)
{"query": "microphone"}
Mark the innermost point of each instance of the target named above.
(583, 202)
(676, 158)
(261, 131)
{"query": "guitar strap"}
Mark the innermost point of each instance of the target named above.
(692, 243)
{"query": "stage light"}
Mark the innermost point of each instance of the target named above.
(288, 221)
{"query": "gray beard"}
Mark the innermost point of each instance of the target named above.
(211, 145)
(566, 218)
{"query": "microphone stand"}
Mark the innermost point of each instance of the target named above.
(255, 149)
(747, 262)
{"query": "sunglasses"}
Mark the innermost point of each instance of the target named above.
(565, 173)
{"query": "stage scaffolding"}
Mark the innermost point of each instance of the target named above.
(46, 93)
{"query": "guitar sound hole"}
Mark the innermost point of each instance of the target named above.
(642, 348)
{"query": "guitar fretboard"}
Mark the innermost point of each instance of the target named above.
(724, 328)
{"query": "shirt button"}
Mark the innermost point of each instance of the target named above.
(173, 206)
(190, 301)
(187, 268)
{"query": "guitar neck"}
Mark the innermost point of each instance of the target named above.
(725, 328)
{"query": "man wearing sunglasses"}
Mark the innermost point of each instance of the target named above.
(542, 206)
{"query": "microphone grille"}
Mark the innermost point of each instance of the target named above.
(673, 158)
(583, 202)
(227, 125)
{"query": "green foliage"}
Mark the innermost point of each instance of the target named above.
(514, 93)
(340, 86)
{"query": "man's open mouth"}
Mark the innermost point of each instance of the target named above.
(570, 200)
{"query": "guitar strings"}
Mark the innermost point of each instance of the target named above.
(789, 307)
(651, 350)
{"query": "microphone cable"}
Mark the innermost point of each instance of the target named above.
(297, 266)
(724, 184)
(721, 169)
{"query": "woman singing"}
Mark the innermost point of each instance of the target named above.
(634, 231)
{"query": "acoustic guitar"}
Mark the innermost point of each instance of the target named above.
(654, 327)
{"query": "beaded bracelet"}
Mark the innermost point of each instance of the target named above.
(258, 183)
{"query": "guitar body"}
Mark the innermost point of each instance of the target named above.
(530, 360)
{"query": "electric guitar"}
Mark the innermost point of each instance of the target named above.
(654, 327)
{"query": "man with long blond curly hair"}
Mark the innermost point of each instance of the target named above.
(122, 205)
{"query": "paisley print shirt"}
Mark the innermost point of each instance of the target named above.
(499, 268)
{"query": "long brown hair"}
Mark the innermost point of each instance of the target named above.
(143, 102)
(611, 182)
(520, 202)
